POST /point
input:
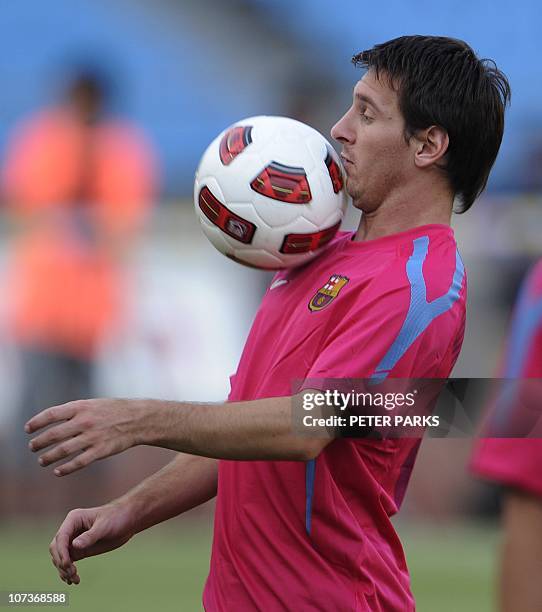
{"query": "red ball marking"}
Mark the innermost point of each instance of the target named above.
(221, 216)
(284, 183)
(234, 141)
(334, 173)
(303, 243)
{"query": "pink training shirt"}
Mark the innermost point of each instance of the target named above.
(317, 535)
(513, 461)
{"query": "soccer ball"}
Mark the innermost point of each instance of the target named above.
(269, 192)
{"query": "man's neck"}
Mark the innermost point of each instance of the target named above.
(392, 218)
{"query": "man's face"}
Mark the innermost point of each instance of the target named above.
(376, 156)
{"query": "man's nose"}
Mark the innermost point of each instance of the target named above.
(341, 131)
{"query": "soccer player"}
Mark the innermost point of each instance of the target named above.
(303, 523)
(517, 463)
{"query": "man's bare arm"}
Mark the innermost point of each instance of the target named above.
(250, 430)
(186, 482)
(521, 558)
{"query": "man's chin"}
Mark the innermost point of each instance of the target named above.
(358, 205)
(353, 193)
(359, 202)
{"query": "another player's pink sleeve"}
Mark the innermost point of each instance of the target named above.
(513, 461)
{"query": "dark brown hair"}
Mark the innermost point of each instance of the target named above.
(442, 82)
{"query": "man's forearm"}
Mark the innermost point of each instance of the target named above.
(184, 483)
(98, 428)
(251, 430)
(521, 558)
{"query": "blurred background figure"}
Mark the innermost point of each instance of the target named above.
(77, 184)
(510, 453)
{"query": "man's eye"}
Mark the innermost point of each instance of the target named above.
(366, 117)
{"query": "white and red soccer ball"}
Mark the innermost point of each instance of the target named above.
(269, 192)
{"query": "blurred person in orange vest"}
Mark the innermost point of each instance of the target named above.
(78, 186)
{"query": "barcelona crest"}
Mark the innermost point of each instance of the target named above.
(326, 294)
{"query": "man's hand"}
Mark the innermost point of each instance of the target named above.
(95, 429)
(88, 532)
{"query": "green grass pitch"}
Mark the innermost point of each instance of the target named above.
(164, 569)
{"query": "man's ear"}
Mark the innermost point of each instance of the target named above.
(431, 146)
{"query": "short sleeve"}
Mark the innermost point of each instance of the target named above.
(512, 462)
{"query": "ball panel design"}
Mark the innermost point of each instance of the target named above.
(258, 259)
(302, 243)
(216, 237)
(234, 141)
(334, 173)
(284, 183)
(226, 220)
